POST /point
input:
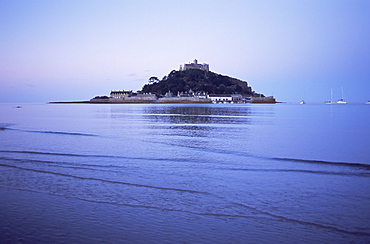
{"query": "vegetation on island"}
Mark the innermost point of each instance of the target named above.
(199, 81)
(101, 97)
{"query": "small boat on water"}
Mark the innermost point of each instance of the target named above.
(302, 102)
(367, 102)
(331, 98)
(340, 101)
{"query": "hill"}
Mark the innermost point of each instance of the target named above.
(198, 81)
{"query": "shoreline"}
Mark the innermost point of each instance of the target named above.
(69, 102)
(180, 100)
(138, 101)
(158, 102)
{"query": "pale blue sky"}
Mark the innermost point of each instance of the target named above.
(74, 50)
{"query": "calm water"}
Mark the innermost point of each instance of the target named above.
(149, 173)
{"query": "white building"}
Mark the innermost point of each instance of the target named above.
(120, 94)
(221, 98)
(195, 65)
(226, 98)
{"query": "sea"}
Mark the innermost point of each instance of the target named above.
(184, 173)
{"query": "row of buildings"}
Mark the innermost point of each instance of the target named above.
(216, 98)
(122, 96)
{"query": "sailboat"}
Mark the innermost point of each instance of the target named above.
(341, 101)
(331, 98)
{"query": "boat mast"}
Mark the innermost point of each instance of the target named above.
(331, 94)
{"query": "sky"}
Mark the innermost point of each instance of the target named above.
(292, 49)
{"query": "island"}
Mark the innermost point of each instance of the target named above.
(192, 83)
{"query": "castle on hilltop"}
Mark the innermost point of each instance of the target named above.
(195, 65)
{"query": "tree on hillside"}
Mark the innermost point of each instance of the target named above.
(153, 79)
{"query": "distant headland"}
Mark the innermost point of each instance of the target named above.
(192, 83)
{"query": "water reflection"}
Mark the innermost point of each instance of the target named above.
(185, 121)
(198, 115)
